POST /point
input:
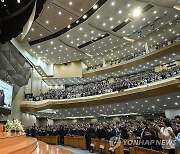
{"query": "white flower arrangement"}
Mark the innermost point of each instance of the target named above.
(14, 125)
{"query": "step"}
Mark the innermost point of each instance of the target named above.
(8, 139)
(24, 147)
(43, 148)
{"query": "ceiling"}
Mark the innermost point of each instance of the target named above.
(154, 26)
(141, 107)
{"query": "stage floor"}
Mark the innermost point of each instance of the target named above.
(43, 148)
(18, 142)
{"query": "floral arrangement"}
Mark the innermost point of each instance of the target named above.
(14, 126)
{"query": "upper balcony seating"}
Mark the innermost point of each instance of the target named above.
(102, 87)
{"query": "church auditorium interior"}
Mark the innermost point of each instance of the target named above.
(89, 76)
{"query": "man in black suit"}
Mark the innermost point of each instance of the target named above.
(2, 98)
(90, 133)
(151, 134)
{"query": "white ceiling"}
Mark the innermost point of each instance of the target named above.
(57, 14)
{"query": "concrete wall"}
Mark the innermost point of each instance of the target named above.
(15, 105)
(171, 113)
(45, 121)
(36, 85)
(73, 69)
(160, 68)
(29, 120)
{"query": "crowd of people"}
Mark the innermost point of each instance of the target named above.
(102, 87)
(140, 53)
(157, 134)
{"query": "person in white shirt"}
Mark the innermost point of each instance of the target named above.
(163, 133)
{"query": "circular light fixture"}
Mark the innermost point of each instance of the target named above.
(95, 6)
(137, 12)
(85, 16)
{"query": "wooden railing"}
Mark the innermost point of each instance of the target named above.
(1, 127)
(80, 142)
(48, 139)
(139, 150)
(75, 141)
(105, 143)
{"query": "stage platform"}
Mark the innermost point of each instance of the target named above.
(18, 143)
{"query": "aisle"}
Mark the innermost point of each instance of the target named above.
(75, 150)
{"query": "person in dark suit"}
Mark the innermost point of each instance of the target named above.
(151, 133)
(90, 133)
(62, 132)
(2, 97)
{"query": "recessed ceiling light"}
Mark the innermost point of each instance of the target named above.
(137, 12)
(120, 11)
(113, 3)
(68, 35)
(176, 103)
(70, 3)
(98, 16)
(81, 10)
(68, 26)
(104, 24)
(59, 12)
(80, 28)
(128, 5)
(85, 16)
(47, 22)
(95, 6)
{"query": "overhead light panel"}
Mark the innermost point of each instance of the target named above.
(137, 12)
(128, 39)
(89, 55)
(177, 7)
